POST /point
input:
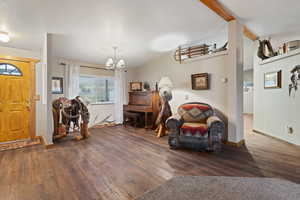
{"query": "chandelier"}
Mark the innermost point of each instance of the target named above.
(115, 63)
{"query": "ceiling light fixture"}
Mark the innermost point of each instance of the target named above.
(4, 37)
(113, 63)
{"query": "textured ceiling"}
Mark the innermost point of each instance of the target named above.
(86, 30)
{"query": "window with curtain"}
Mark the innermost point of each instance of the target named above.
(96, 89)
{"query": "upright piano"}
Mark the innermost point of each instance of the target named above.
(146, 103)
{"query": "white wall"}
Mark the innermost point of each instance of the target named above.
(180, 74)
(235, 68)
(248, 76)
(248, 101)
(249, 49)
(50, 67)
(20, 52)
(248, 92)
(274, 110)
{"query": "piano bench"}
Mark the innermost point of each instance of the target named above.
(133, 117)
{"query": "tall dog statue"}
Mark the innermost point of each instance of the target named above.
(165, 87)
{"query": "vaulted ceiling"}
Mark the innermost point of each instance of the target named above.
(86, 30)
(267, 17)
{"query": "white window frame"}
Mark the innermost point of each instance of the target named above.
(105, 77)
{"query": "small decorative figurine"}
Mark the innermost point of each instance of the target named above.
(265, 50)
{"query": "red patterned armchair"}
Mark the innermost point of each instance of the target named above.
(196, 126)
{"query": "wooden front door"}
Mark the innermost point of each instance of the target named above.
(15, 100)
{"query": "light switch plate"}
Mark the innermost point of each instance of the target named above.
(186, 97)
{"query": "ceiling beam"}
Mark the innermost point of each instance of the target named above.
(249, 34)
(215, 6)
(218, 9)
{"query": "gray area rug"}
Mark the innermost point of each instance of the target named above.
(224, 188)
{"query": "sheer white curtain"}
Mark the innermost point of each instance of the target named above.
(72, 73)
(120, 95)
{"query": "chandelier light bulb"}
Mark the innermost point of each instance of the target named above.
(109, 62)
(121, 64)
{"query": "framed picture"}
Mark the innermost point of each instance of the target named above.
(200, 81)
(136, 86)
(57, 85)
(272, 80)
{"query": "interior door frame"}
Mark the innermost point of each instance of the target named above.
(33, 97)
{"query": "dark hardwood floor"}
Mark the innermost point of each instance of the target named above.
(118, 163)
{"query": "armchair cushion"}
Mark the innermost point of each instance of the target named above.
(194, 129)
(195, 112)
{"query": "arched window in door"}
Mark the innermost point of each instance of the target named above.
(9, 70)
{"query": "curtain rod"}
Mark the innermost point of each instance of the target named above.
(64, 64)
(94, 67)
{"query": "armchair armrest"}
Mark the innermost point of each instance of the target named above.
(213, 120)
(216, 127)
(174, 122)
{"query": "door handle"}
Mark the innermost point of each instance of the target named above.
(28, 105)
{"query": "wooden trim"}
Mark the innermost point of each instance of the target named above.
(249, 34)
(41, 138)
(219, 9)
(275, 138)
(30, 60)
(47, 146)
(32, 125)
(234, 144)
